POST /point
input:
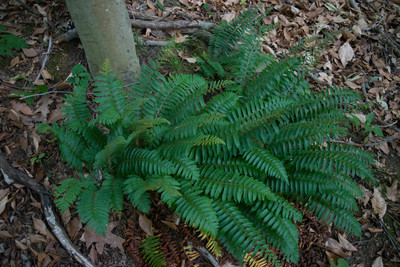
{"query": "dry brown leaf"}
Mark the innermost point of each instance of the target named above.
(391, 192)
(181, 39)
(231, 2)
(378, 262)
(346, 244)
(40, 226)
(357, 30)
(93, 255)
(35, 238)
(35, 140)
(184, 2)
(146, 225)
(30, 52)
(352, 85)
(4, 192)
(41, 10)
(21, 107)
(151, 5)
(361, 117)
(384, 147)
(379, 205)
(346, 53)
(113, 240)
(375, 230)
(43, 108)
(3, 204)
(20, 245)
(229, 16)
(14, 62)
(46, 75)
(335, 247)
(170, 225)
(5, 234)
(187, 58)
(73, 227)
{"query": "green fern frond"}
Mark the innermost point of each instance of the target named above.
(196, 209)
(227, 36)
(110, 96)
(186, 168)
(136, 190)
(151, 251)
(239, 235)
(144, 161)
(93, 208)
(264, 161)
(281, 207)
(330, 159)
(68, 191)
(71, 146)
(76, 109)
(232, 186)
(112, 186)
(327, 211)
(222, 103)
(278, 231)
(111, 153)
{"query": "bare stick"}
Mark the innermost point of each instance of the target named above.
(46, 57)
(45, 93)
(208, 256)
(386, 140)
(172, 24)
(48, 208)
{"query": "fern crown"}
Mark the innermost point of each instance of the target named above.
(234, 150)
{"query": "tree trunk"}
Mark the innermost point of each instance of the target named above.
(106, 32)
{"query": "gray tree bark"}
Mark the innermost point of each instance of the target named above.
(106, 32)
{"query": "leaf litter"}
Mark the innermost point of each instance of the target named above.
(361, 58)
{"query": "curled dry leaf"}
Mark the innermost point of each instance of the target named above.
(378, 262)
(146, 225)
(392, 192)
(3, 203)
(229, 16)
(346, 53)
(30, 52)
(366, 196)
(379, 205)
(20, 245)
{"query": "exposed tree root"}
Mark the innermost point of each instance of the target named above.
(14, 175)
(171, 24)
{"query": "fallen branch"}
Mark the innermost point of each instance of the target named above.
(204, 252)
(15, 175)
(171, 24)
(46, 57)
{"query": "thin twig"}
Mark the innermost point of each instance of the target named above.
(171, 24)
(46, 57)
(315, 78)
(391, 239)
(48, 208)
(204, 252)
(376, 25)
(16, 86)
(388, 125)
(45, 93)
(386, 140)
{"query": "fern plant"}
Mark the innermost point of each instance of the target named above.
(232, 150)
(8, 42)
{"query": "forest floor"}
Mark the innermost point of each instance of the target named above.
(365, 56)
